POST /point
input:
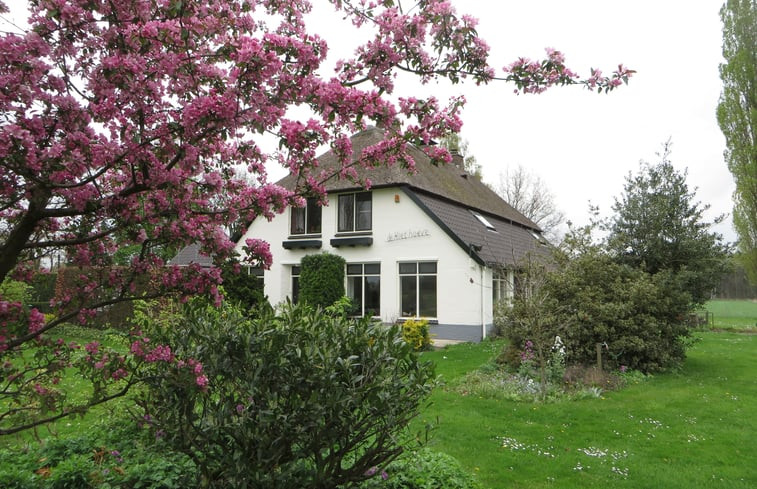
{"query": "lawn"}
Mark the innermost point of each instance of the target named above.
(733, 314)
(688, 429)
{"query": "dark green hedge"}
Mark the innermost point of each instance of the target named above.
(321, 279)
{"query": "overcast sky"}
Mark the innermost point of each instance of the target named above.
(583, 144)
(580, 143)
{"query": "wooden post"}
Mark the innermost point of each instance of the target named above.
(599, 356)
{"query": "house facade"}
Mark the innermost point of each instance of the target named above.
(437, 244)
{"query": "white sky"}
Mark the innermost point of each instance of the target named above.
(583, 144)
(580, 143)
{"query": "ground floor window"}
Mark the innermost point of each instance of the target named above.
(364, 287)
(295, 284)
(502, 286)
(418, 289)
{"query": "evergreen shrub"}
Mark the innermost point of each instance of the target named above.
(321, 279)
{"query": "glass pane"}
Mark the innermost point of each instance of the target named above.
(372, 268)
(314, 217)
(408, 268)
(408, 296)
(295, 270)
(427, 267)
(346, 212)
(427, 296)
(363, 202)
(372, 296)
(355, 292)
(298, 220)
(354, 269)
(295, 289)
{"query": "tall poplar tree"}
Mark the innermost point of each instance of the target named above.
(737, 116)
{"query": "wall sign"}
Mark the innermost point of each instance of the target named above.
(410, 234)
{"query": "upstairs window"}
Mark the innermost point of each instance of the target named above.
(306, 220)
(355, 212)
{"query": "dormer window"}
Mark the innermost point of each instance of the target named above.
(306, 220)
(355, 212)
(484, 221)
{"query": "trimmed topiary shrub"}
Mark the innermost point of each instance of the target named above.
(321, 279)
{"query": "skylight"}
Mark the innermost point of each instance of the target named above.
(484, 221)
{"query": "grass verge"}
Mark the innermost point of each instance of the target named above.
(689, 429)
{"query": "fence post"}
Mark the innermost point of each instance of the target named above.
(599, 356)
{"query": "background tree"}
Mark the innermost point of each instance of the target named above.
(456, 144)
(657, 227)
(737, 116)
(122, 122)
(529, 194)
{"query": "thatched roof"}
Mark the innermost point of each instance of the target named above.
(449, 182)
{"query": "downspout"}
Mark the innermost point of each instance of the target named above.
(483, 301)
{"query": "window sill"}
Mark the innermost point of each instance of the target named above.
(353, 241)
(430, 321)
(343, 234)
(297, 244)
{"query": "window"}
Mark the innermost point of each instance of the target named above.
(355, 212)
(484, 221)
(307, 220)
(418, 289)
(295, 284)
(364, 287)
(501, 286)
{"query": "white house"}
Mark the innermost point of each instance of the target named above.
(437, 244)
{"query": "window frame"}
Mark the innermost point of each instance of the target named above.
(353, 226)
(502, 286)
(421, 270)
(363, 275)
(294, 283)
(310, 213)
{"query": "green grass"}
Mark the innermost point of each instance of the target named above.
(78, 391)
(689, 429)
(733, 314)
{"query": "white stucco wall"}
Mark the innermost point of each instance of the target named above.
(401, 232)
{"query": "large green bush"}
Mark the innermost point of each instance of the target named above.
(321, 279)
(637, 318)
(589, 298)
(300, 399)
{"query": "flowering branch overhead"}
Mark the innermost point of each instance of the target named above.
(121, 124)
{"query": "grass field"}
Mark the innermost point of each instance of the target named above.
(733, 314)
(689, 429)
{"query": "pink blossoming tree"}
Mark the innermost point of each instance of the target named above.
(122, 123)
